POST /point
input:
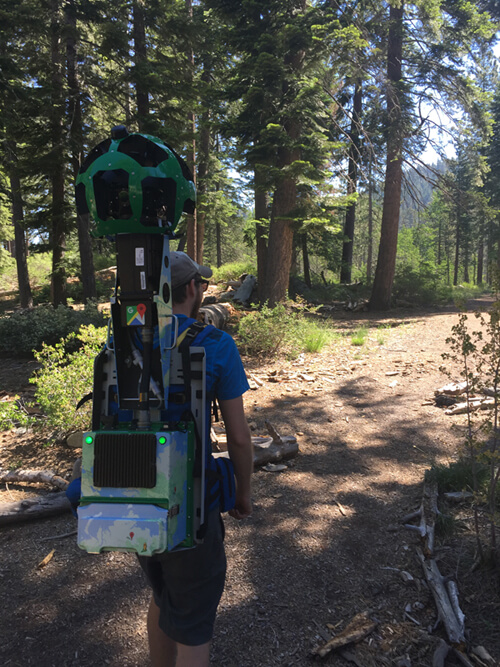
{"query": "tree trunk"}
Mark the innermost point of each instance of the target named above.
(352, 186)
(140, 63)
(218, 242)
(25, 296)
(439, 242)
(204, 155)
(457, 252)
(76, 141)
(369, 257)
(489, 256)
(386, 263)
(305, 259)
(466, 260)
(480, 262)
(39, 507)
(280, 244)
(218, 232)
(58, 231)
(261, 213)
(192, 220)
(279, 250)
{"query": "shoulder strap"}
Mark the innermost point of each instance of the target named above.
(189, 333)
(188, 337)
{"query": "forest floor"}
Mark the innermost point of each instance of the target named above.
(325, 541)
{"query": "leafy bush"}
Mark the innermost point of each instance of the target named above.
(234, 270)
(64, 378)
(267, 330)
(421, 286)
(321, 293)
(13, 415)
(478, 352)
(270, 330)
(465, 291)
(22, 332)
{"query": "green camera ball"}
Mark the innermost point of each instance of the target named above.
(134, 184)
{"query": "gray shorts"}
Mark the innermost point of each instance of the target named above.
(187, 586)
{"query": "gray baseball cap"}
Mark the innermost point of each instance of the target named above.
(184, 269)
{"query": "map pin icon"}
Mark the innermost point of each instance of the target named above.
(141, 309)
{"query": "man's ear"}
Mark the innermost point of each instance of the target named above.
(191, 288)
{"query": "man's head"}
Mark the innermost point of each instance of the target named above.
(184, 270)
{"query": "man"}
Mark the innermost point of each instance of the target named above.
(188, 584)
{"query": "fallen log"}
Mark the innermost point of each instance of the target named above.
(38, 507)
(453, 389)
(445, 592)
(440, 654)
(483, 655)
(266, 450)
(244, 293)
(215, 314)
(471, 406)
(427, 514)
(33, 477)
(446, 607)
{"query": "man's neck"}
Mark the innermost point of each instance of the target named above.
(182, 309)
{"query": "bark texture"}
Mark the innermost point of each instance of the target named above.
(352, 186)
(386, 264)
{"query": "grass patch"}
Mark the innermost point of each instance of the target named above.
(458, 476)
(358, 338)
(314, 337)
(380, 333)
(233, 270)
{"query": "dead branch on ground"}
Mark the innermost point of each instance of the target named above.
(358, 628)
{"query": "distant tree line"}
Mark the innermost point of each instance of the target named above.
(322, 107)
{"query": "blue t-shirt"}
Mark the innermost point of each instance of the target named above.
(226, 378)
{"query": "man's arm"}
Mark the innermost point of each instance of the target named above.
(239, 445)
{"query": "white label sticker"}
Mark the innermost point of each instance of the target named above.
(143, 279)
(139, 256)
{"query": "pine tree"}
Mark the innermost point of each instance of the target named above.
(281, 116)
(434, 51)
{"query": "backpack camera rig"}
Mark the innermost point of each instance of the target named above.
(143, 480)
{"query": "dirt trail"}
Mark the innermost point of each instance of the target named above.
(325, 541)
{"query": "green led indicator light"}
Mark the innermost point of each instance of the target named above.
(89, 440)
(162, 440)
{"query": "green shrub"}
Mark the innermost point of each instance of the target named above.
(321, 293)
(422, 286)
(65, 377)
(22, 332)
(457, 476)
(465, 291)
(267, 330)
(280, 329)
(13, 415)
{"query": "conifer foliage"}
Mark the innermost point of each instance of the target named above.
(321, 107)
